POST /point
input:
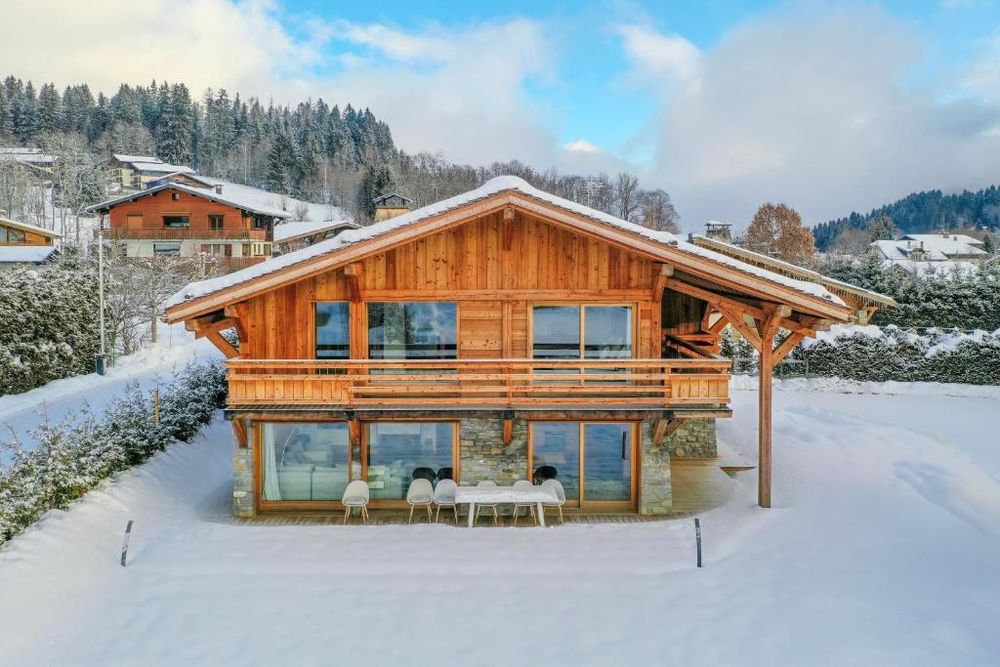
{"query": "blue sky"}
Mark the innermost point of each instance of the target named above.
(827, 106)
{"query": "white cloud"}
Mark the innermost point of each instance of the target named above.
(581, 146)
(658, 55)
(813, 110)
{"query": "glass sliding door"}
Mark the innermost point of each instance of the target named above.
(607, 462)
(582, 332)
(555, 449)
(594, 461)
(413, 330)
(399, 452)
(607, 332)
(304, 461)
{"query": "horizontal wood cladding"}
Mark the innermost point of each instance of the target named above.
(467, 264)
(153, 207)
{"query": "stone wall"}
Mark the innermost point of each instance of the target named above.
(243, 486)
(482, 454)
(655, 493)
(694, 440)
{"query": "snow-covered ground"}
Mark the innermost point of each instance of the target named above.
(56, 400)
(882, 550)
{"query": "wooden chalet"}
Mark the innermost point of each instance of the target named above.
(485, 337)
(23, 244)
(175, 218)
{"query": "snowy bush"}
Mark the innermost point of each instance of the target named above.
(50, 326)
(877, 354)
(73, 456)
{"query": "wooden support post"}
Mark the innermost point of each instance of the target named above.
(240, 432)
(660, 283)
(355, 280)
(354, 432)
(508, 432)
(768, 328)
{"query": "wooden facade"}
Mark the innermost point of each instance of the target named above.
(19, 234)
(498, 259)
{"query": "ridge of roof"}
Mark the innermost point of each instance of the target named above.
(29, 227)
(491, 187)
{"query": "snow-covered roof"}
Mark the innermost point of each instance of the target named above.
(26, 155)
(934, 247)
(224, 198)
(162, 168)
(25, 254)
(925, 268)
(787, 268)
(121, 157)
(492, 187)
(6, 222)
(287, 231)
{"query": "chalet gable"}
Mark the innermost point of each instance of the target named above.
(701, 268)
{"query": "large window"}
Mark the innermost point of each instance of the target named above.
(167, 248)
(399, 452)
(11, 236)
(333, 338)
(412, 330)
(581, 332)
(593, 461)
(176, 221)
(305, 461)
(216, 222)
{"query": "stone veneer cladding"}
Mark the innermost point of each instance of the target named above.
(482, 454)
(243, 486)
(694, 440)
(654, 478)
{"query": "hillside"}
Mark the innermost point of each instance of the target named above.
(922, 212)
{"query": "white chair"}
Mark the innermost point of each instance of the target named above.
(496, 512)
(524, 484)
(420, 494)
(444, 496)
(356, 495)
(554, 487)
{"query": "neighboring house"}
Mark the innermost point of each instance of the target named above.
(176, 219)
(24, 244)
(290, 236)
(390, 205)
(919, 254)
(136, 171)
(33, 160)
(486, 337)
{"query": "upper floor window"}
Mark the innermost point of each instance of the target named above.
(581, 332)
(216, 222)
(413, 330)
(333, 331)
(12, 236)
(176, 221)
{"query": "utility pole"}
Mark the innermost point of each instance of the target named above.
(102, 357)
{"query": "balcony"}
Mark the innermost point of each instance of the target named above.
(183, 233)
(481, 383)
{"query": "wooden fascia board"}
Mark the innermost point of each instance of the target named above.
(704, 268)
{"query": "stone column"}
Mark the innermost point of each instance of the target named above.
(243, 487)
(654, 488)
(482, 454)
(695, 439)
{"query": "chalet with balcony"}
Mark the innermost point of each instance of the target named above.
(490, 336)
(194, 222)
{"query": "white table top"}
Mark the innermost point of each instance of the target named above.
(502, 494)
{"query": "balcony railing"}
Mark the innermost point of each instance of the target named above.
(509, 383)
(181, 233)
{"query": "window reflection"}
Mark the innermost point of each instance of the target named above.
(415, 330)
(304, 461)
(399, 452)
(333, 330)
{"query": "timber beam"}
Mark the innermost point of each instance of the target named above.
(664, 428)
(355, 273)
(660, 282)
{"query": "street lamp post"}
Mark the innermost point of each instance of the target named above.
(101, 361)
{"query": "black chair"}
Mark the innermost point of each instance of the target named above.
(423, 473)
(543, 473)
(445, 473)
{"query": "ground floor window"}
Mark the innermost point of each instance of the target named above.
(594, 461)
(305, 461)
(396, 453)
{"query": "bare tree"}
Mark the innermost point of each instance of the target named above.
(77, 176)
(627, 200)
(658, 212)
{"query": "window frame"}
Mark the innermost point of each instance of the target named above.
(214, 218)
(262, 505)
(315, 326)
(365, 314)
(364, 452)
(185, 216)
(634, 468)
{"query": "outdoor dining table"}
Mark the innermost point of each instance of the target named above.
(499, 495)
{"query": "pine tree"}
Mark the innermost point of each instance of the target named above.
(26, 121)
(278, 158)
(6, 118)
(49, 109)
(988, 244)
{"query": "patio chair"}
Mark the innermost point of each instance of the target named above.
(356, 495)
(553, 486)
(543, 473)
(493, 506)
(423, 473)
(444, 496)
(420, 494)
(524, 484)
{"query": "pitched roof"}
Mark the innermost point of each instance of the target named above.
(162, 168)
(838, 287)
(235, 201)
(664, 245)
(291, 231)
(26, 254)
(122, 157)
(6, 222)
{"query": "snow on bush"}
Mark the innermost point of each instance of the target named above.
(50, 326)
(77, 454)
(879, 354)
